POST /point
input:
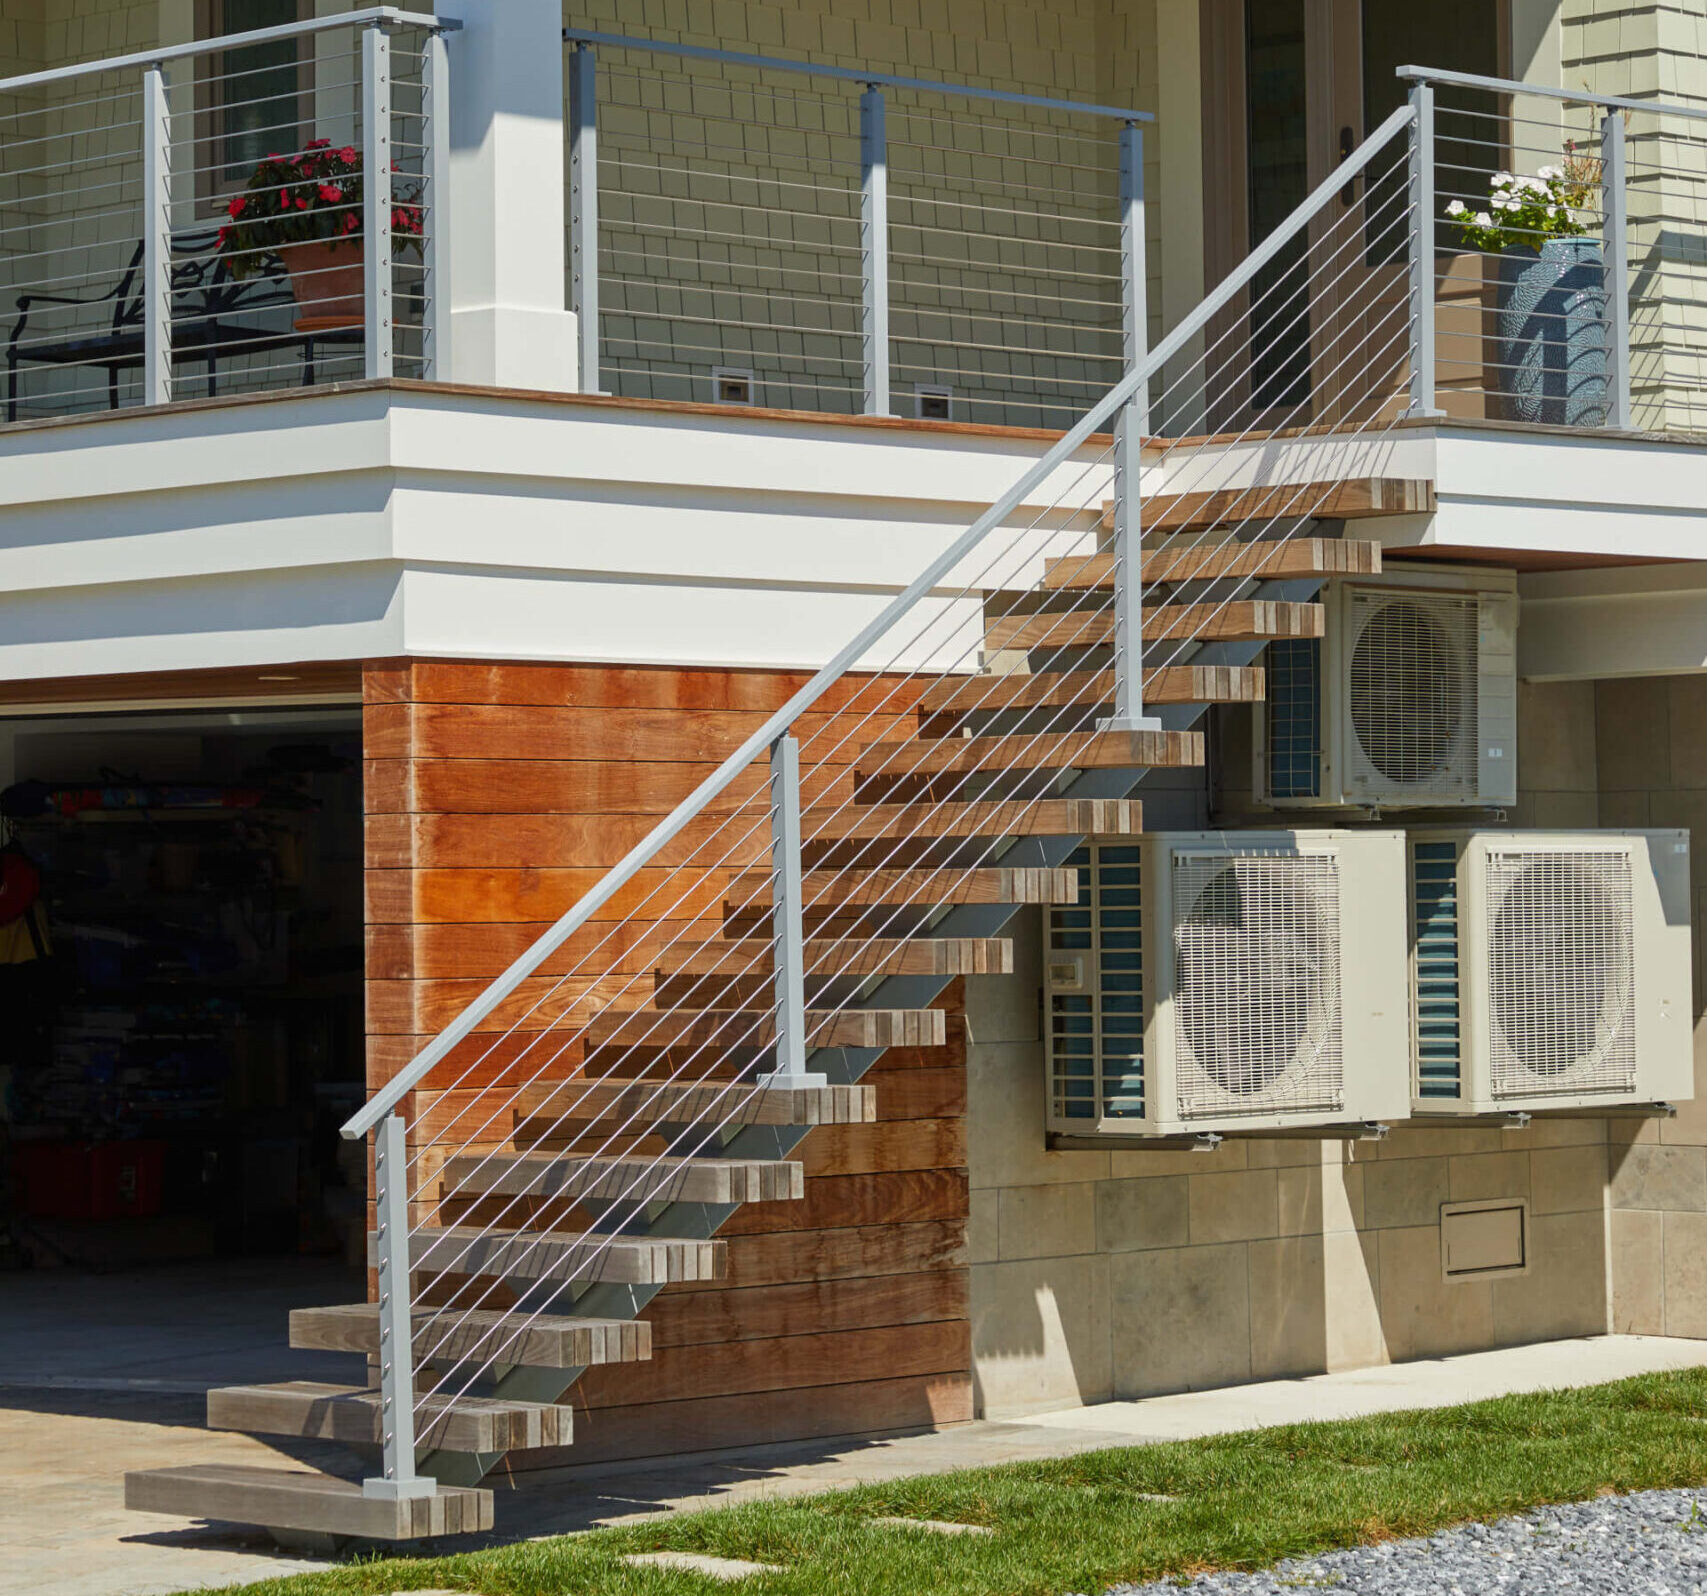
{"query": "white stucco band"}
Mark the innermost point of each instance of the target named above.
(395, 520)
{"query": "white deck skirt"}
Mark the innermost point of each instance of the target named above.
(378, 522)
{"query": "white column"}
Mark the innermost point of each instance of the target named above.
(511, 327)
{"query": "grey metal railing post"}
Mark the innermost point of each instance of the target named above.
(1129, 428)
(435, 71)
(1422, 199)
(788, 938)
(1615, 247)
(874, 249)
(584, 209)
(376, 190)
(396, 1321)
(156, 238)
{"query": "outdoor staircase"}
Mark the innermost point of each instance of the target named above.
(914, 861)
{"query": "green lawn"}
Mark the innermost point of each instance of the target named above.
(1083, 1523)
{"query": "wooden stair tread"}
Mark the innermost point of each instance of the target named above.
(1092, 750)
(560, 1255)
(707, 1102)
(1043, 817)
(822, 890)
(313, 1410)
(546, 1341)
(1235, 620)
(1350, 499)
(1170, 684)
(851, 956)
(293, 1499)
(1293, 558)
(697, 1180)
(757, 1028)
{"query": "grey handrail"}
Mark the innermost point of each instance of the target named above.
(817, 69)
(1471, 80)
(231, 41)
(393, 1092)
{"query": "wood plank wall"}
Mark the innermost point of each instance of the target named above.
(497, 793)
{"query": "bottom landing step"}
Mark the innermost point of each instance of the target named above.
(291, 1499)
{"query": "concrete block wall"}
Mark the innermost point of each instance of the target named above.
(1651, 743)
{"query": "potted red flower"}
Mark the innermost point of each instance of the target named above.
(307, 209)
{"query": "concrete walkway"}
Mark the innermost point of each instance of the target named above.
(62, 1455)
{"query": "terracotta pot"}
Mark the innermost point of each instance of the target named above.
(329, 282)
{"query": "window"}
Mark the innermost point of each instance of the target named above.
(256, 90)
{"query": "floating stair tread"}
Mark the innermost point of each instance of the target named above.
(694, 1180)
(548, 1341)
(313, 1410)
(236, 1493)
(708, 1102)
(852, 956)
(1353, 499)
(1169, 684)
(824, 891)
(561, 1255)
(1043, 817)
(1091, 750)
(1236, 620)
(757, 1028)
(1293, 558)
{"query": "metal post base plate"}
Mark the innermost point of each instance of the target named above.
(408, 1490)
(1130, 723)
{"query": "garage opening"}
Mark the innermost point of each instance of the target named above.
(181, 1023)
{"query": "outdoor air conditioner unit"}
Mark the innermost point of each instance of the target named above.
(1550, 970)
(1409, 700)
(1233, 980)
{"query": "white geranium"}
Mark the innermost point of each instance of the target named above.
(1500, 180)
(1482, 219)
(1456, 208)
(1549, 174)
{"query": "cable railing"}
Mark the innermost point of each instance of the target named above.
(756, 946)
(755, 230)
(256, 211)
(1572, 237)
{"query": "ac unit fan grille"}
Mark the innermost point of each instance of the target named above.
(1412, 695)
(1257, 984)
(1562, 975)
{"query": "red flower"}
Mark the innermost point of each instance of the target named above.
(350, 223)
(330, 194)
(318, 144)
(301, 204)
(348, 153)
(235, 208)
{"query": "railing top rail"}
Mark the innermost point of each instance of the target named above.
(230, 41)
(814, 69)
(392, 1093)
(1545, 91)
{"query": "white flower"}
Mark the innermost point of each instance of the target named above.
(1482, 219)
(1456, 208)
(1552, 211)
(1535, 185)
(1501, 180)
(1549, 173)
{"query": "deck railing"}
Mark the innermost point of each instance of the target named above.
(128, 274)
(757, 230)
(1587, 318)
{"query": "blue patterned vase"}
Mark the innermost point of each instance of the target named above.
(1553, 334)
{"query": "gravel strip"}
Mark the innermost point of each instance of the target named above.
(1651, 1544)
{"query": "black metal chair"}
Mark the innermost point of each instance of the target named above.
(213, 314)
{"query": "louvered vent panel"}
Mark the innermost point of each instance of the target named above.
(1562, 975)
(1293, 711)
(1096, 1035)
(1439, 1000)
(1257, 1000)
(1412, 695)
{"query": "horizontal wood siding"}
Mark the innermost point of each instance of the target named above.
(497, 794)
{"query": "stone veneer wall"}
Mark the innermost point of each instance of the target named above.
(1099, 1275)
(1651, 737)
